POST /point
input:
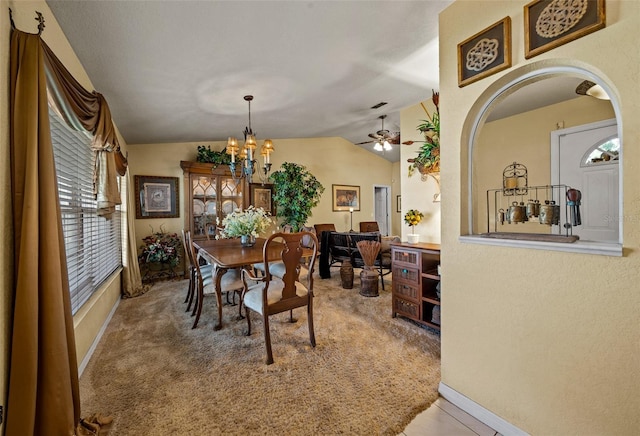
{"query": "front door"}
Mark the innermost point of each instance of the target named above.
(587, 158)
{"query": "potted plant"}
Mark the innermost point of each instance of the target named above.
(413, 218)
(246, 225)
(160, 252)
(428, 159)
(295, 192)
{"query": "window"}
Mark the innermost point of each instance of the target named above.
(605, 152)
(93, 243)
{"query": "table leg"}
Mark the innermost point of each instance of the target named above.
(219, 273)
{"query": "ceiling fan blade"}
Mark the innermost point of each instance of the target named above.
(374, 136)
(410, 142)
(395, 139)
(366, 142)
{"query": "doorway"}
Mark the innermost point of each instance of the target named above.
(586, 158)
(382, 208)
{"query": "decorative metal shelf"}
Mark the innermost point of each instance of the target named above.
(517, 205)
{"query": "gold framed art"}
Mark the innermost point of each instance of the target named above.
(551, 23)
(346, 198)
(485, 53)
(262, 196)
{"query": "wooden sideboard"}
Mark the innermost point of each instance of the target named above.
(415, 282)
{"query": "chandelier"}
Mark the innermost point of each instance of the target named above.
(247, 155)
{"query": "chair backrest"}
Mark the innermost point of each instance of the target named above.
(324, 228)
(186, 238)
(292, 252)
(369, 226)
(191, 254)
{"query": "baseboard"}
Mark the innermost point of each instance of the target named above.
(96, 341)
(480, 413)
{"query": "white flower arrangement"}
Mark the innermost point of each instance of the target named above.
(252, 221)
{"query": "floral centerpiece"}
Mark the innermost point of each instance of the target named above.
(413, 218)
(160, 247)
(247, 224)
(428, 160)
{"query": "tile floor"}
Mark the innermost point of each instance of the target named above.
(445, 419)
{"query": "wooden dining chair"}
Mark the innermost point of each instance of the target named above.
(205, 283)
(269, 295)
(206, 269)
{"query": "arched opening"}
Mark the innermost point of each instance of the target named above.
(514, 121)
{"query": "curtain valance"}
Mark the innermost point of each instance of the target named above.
(87, 110)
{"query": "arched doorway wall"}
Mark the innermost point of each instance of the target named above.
(496, 93)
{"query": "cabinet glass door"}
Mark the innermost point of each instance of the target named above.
(230, 195)
(204, 205)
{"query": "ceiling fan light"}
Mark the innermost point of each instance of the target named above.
(386, 145)
(378, 147)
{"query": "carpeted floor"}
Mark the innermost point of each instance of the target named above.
(370, 374)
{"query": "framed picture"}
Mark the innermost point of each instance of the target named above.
(549, 24)
(398, 203)
(157, 197)
(485, 53)
(262, 196)
(346, 198)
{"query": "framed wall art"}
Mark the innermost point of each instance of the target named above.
(551, 23)
(262, 196)
(346, 198)
(398, 203)
(157, 197)
(485, 53)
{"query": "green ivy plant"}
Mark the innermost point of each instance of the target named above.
(295, 192)
(206, 155)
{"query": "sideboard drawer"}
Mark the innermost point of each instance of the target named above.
(404, 256)
(406, 308)
(406, 290)
(407, 274)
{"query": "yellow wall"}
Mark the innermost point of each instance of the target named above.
(546, 340)
(94, 315)
(417, 191)
(330, 160)
(525, 138)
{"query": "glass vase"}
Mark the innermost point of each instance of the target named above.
(247, 240)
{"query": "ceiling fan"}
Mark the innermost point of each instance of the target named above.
(383, 138)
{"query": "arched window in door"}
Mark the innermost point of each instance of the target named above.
(605, 152)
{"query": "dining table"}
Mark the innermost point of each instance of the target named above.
(228, 254)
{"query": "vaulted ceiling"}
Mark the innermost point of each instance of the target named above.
(177, 71)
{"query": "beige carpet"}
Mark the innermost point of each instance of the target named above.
(370, 374)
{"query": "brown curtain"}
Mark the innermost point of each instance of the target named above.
(131, 277)
(43, 377)
(87, 110)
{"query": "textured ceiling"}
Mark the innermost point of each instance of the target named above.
(177, 71)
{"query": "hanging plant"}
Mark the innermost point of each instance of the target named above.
(428, 159)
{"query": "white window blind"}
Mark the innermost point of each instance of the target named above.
(93, 243)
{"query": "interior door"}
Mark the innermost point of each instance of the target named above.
(580, 167)
(381, 206)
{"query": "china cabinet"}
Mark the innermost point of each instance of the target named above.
(210, 193)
